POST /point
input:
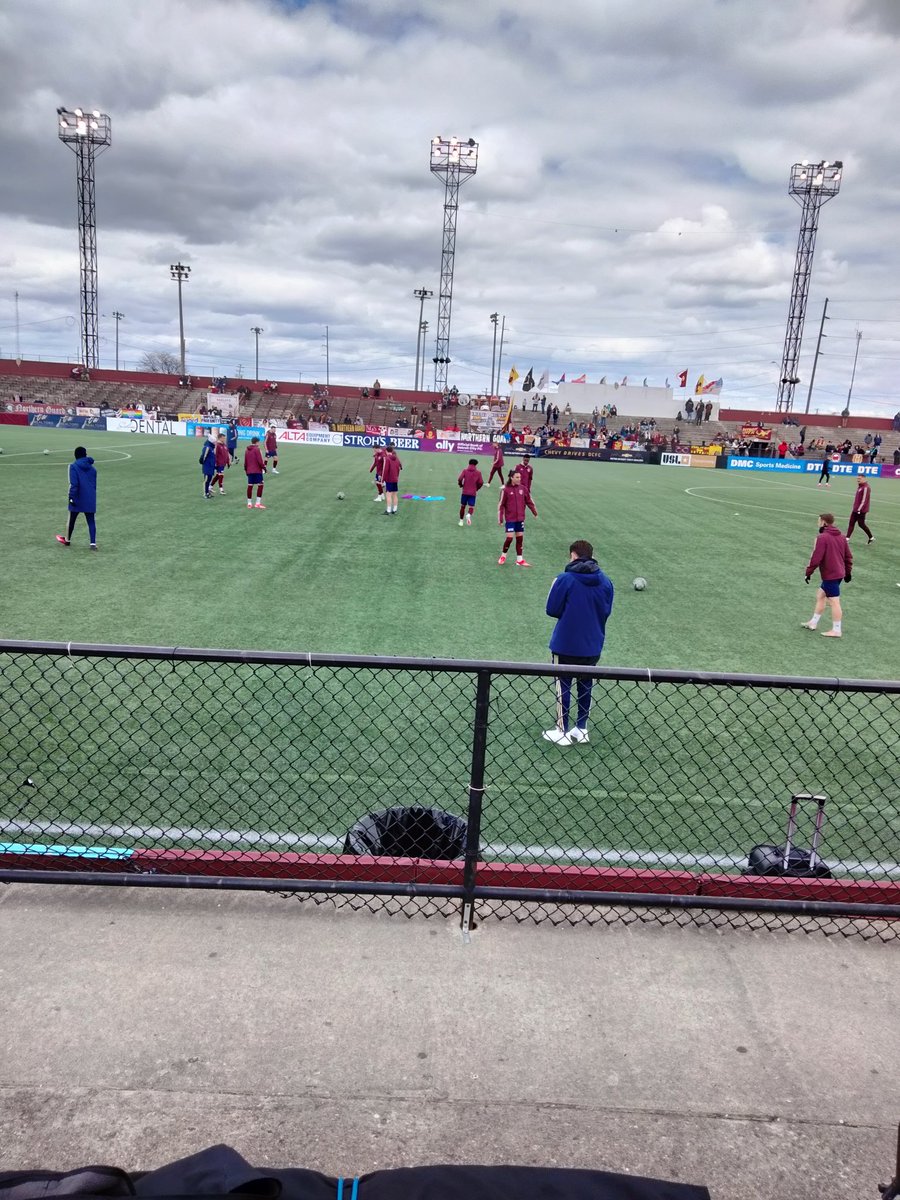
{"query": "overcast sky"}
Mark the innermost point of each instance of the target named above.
(630, 213)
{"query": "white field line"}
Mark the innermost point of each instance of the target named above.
(693, 492)
(498, 850)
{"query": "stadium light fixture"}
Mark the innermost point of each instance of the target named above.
(257, 330)
(87, 135)
(455, 161)
(117, 317)
(421, 294)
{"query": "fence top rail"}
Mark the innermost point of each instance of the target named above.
(648, 675)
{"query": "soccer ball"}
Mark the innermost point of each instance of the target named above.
(340, 495)
(639, 584)
(46, 451)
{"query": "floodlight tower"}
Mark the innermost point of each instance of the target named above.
(812, 185)
(455, 161)
(88, 134)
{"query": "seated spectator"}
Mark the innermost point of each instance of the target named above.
(365, 393)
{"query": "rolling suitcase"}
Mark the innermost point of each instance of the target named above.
(788, 859)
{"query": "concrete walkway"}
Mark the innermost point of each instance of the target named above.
(138, 1026)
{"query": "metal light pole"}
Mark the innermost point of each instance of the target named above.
(423, 330)
(500, 355)
(853, 375)
(812, 377)
(117, 317)
(455, 161)
(181, 273)
(257, 330)
(327, 359)
(88, 134)
(494, 319)
(811, 185)
(421, 294)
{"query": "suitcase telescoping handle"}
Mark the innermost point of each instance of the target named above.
(797, 799)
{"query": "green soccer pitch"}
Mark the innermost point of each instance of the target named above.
(121, 751)
(723, 553)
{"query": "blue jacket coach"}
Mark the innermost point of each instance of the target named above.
(581, 600)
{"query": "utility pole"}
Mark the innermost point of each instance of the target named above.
(117, 317)
(494, 318)
(812, 377)
(181, 273)
(853, 375)
(257, 330)
(327, 359)
(422, 294)
(500, 355)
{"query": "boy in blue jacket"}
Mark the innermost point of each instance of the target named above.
(82, 496)
(581, 599)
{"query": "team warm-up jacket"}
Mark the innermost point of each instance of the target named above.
(253, 461)
(470, 480)
(82, 485)
(831, 554)
(513, 501)
(862, 499)
(581, 599)
(391, 468)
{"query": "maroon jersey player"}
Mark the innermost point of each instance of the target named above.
(390, 473)
(526, 471)
(514, 499)
(470, 482)
(272, 448)
(254, 468)
(497, 464)
(378, 466)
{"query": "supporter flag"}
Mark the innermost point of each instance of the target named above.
(698, 386)
(603, 380)
(507, 420)
(625, 381)
(580, 379)
(713, 388)
(645, 381)
(682, 378)
(667, 382)
(543, 381)
(562, 379)
(528, 383)
(514, 375)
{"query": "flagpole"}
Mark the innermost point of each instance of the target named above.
(500, 356)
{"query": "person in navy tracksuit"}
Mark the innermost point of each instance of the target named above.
(82, 496)
(208, 463)
(581, 599)
(231, 440)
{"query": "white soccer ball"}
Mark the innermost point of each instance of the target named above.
(46, 451)
(340, 495)
(639, 584)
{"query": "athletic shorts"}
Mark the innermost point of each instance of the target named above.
(515, 526)
(271, 454)
(390, 487)
(831, 587)
(256, 477)
(470, 500)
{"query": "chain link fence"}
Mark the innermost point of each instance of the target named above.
(427, 785)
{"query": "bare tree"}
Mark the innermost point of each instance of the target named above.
(160, 362)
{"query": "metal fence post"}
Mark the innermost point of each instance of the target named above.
(476, 796)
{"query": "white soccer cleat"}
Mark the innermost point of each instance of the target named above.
(274, 470)
(830, 633)
(579, 735)
(461, 522)
(558, 736)
(469, 522)
(807, 625)
(249, 503)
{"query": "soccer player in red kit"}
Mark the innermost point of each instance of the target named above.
(471, 482)
(860, 510)
(223, 460)
(254, 468)
(390, 473)
(497, 464)
(272, 448)
(514, 499)
(378, 467)
(526, 471)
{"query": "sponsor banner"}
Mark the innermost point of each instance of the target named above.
(87, 412)
(368, 441)
(313, 437)
(674, 460)
(461, 446)
(139, 425)
(245, 432)
(756, 433)
(800, 466)
(887, 472)
(624, 456)
(341, 428)
(53, 410)
(703, 460)
(13, 418)
(47, 421)
(517, 450)
(843, 468)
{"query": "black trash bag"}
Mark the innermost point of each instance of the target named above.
(413, 832)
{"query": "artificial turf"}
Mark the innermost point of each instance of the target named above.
(273, 754)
